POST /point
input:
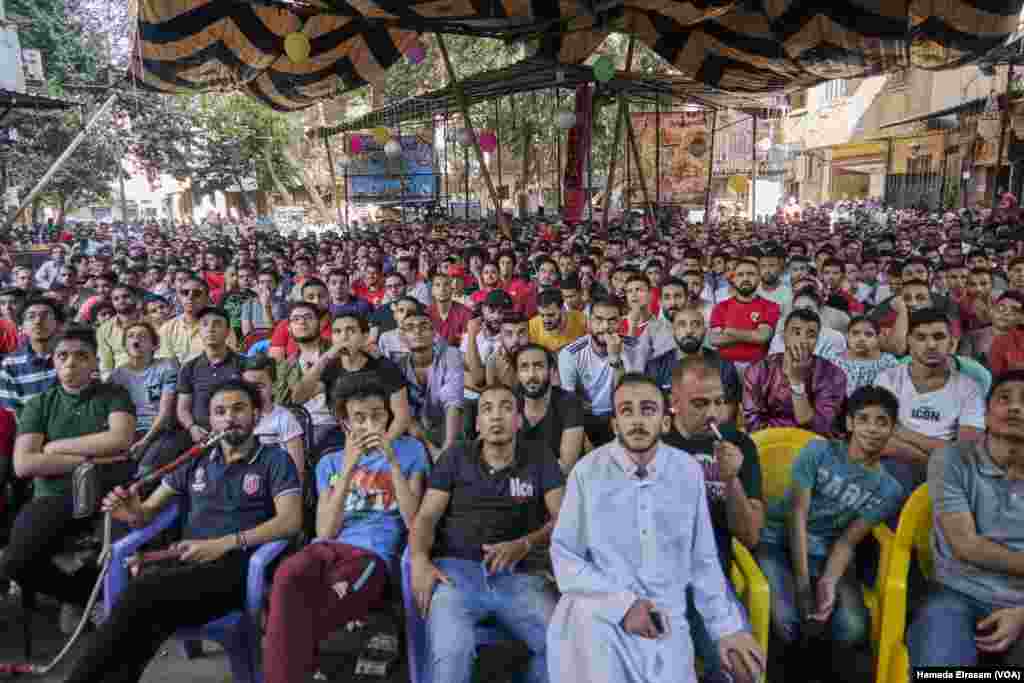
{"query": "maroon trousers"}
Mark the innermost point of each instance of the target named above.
(316, 592)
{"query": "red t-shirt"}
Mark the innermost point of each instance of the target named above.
(453, 327)
(214, 280)
(745, 316)
(374, 296)
(281, 337)
(1007, 352)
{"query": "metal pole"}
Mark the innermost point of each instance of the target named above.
(753, 175)
(559, 174)
(639, 164)
(1002, 135)
(657, 153)
(613, 162)
(888, 172)
(591, 92)
(465, 174)
(59, 163)
(711, 166)
(460, 95)
(497, 129)
(447, 187)
(124, 199)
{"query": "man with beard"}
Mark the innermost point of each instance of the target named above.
(732, 472)
(694, 281)
(551, 415)
(483, 337)
(741, 327)
(938, 403)
(215, 365)
(237, 497)
(838, 493)
(688, 331)
(476, 543)
(553, 327)
(515, 334)
(772, 287)
(633, 535)
(590, 365)
(972, 615)
(111, 335)
(315, 292)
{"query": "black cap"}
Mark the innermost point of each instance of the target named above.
(213, 310)
(499, 298)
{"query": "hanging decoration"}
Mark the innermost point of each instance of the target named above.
(566, 120)
(488, 141)
(416, 53)
(381, 135)
(393, 149)
(355, 144)
(297, 47)
(604, 69)
(738, 184)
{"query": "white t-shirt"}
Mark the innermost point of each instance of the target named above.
(487, 346)
(936, 414)
(278, 428)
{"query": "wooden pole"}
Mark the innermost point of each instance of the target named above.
(497, 128)
(613, 162)
(1002, 137)
(639, 164)
(711, 167)
(753, 175)
(460, 96)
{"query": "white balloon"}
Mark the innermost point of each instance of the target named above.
(566, 120)
(393, 149)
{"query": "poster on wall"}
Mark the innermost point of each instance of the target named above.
(685, 154)
(373, 177)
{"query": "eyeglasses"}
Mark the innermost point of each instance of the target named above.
(192, 293)
(307, 318)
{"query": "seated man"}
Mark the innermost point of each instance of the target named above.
(973, 614)
(277, 425)
(938, 404)
(795, 388)
(30, 371)
(732, 473)
(554, 327)
(78, 420)
(515, 334)
(551, 415)
(838, 493)
(689, 331)
(482, 514)
(214, 365)
(238, 496)
(633, 535)
(368, 497)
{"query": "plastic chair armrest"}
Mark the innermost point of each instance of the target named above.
(257, 579)
(893, 599)
(757, 591)
(117, 575)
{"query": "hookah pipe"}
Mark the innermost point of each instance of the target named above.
(104, 558)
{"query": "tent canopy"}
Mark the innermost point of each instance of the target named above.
(753, 46)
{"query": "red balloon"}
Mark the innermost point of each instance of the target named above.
(357, 144)
(488, 141)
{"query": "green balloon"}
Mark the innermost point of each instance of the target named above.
(604, 69)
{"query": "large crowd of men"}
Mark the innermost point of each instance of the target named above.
(553, 423)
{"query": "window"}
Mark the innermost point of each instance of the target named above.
(830, 91)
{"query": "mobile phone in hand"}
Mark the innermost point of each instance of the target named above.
(659, 621)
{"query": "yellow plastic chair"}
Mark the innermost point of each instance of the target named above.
(777, 448)
(913, 535)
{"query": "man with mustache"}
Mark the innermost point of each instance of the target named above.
(111, 334)
(772, 287)
(938, 403)
(237, 497)
(838, 493)
(554, 327)
(972, 614)
(551, 415)
(742, 326)
(633, 534)
(688, 331)
(216, 364)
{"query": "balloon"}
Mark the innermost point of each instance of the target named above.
(381, 135)
(604, 68)
(356, 144)
(566, 120)
(488, 141)
(416, 54)
(393, 149)
(296, 46)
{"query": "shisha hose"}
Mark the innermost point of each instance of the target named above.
(27, 668)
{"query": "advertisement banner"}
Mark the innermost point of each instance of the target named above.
(685, 155)
(373, 177)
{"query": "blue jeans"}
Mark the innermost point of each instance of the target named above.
(850, 621)
(521, 603)
(943, 630)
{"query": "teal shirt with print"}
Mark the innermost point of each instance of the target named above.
(841, 493)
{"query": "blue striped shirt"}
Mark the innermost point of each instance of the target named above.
(24, 374)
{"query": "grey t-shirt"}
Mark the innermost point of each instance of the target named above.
(963, 478)
(147, 387)
(252, 310)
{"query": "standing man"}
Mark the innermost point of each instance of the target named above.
(741, 326)
(551, 415)
(633, 534)
(471, 542)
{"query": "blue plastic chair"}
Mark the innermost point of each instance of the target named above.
(416, 630)
(239, 631)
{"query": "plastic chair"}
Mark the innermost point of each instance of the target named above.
(913, 535)
(238, 631)
(252, 338)
(777, 448)
(416, 629)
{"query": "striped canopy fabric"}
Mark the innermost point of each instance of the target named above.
(748, 46)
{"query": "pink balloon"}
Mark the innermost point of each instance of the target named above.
(488, 141)
(357, 144)
(416, 54)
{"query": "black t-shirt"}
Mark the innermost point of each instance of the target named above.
(702, 450)
(383, 318)
(493, 507)
(199, 377)
(565, 411)
(387, 371)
